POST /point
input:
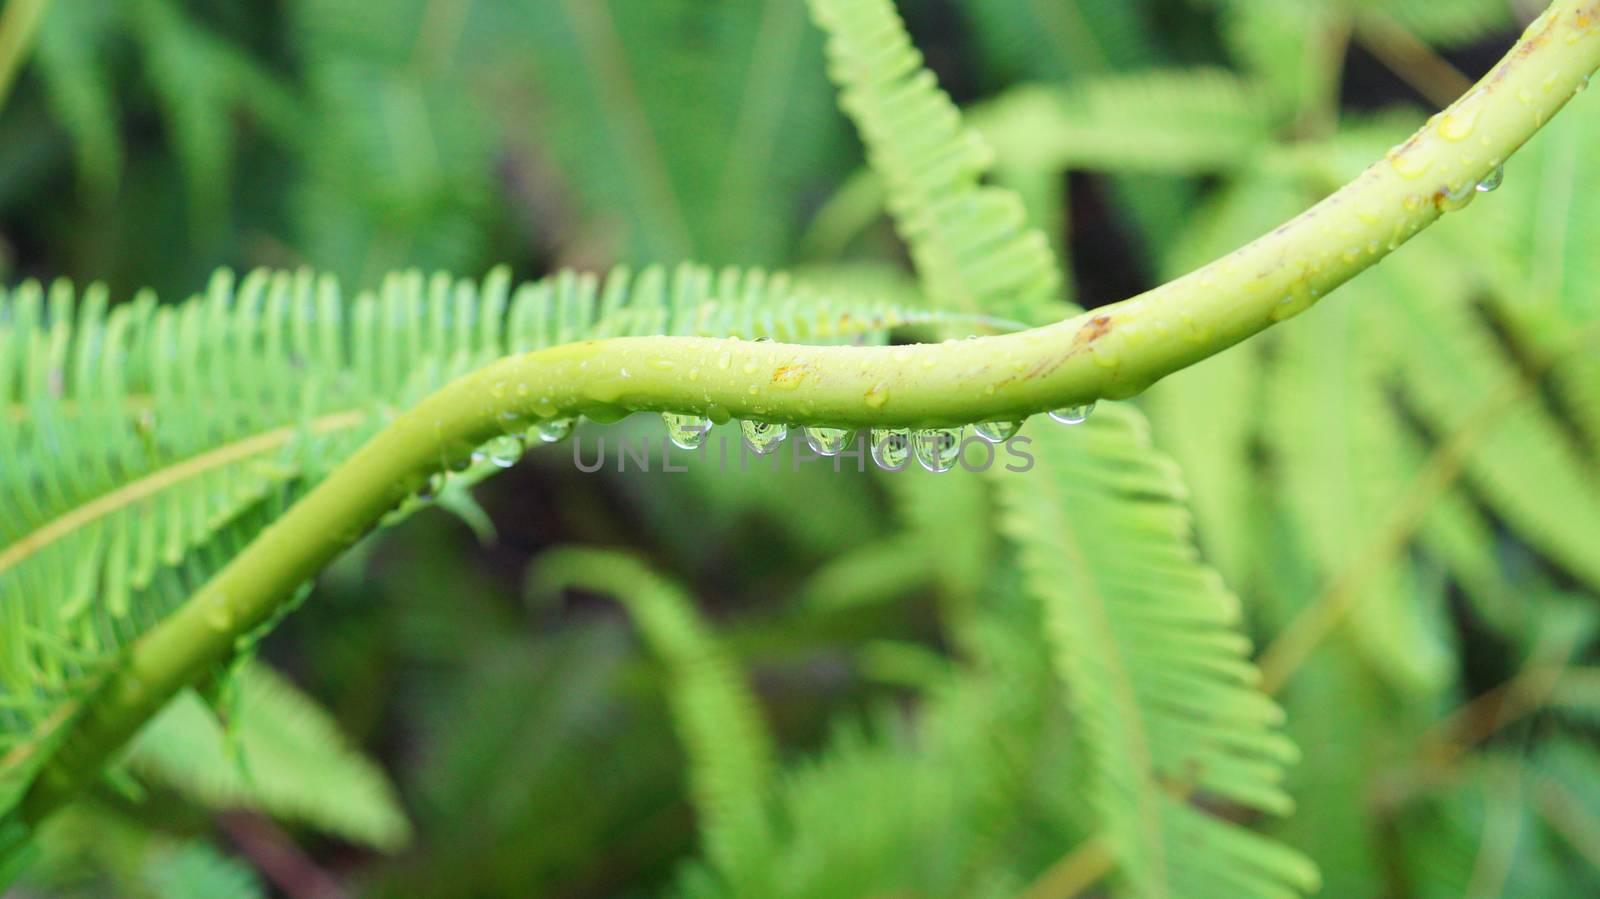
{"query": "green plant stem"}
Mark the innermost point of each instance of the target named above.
(19, 22)
(1115, 351)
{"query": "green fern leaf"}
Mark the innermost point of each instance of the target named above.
(1286, 45)
(1156, 616)
(72, 63)
(1455, 23)
(883, 812)
(195, 870)
(1329, 422)
(680, 148)
(1055, 41)
(1545, 281)
(971, 244)
(400, 165)
(1527, 467)
(717, 717)
(1214, 442)
(1160, 680)
(147, 444)
(1189, 121)
(291, 761)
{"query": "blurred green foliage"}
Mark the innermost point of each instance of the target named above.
(1401, 486)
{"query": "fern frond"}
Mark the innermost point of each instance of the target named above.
(1333, 707)
(279, 753)
(1214, 443)
(679, 148)
(77, 85)
(1106, 543)
(1337, 448)
(1449, 24)
(1286, 46)
(1054, 41)
(972, 245)
(1481, 837)
(1182, 121)
(146, 444)
(1527, 468)
(1539, 265)
(196, 870)
(95, 849)
(717, 717)
(883, 812)
(1161, 684)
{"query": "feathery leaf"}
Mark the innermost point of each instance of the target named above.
(1160, 680)
(290, 761)
(717, 717)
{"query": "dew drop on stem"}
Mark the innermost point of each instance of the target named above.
(891, 449)
(686, 431)
(997, 431)
(553, 430)
(1073, 415)
(828, 441)
(503, 451)
(763, 437)
(937, 449)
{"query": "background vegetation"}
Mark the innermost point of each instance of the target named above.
(1401, 486)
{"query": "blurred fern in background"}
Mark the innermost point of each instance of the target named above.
(1321, 608)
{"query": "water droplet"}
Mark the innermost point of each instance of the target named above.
(686, 431)
(997, 431)
(431, 487)
(878, 395)
(939, 449)
(503, 451)
(725, 360)
(891, 449)
(763, 437)
(554, 430)
(1452, 200)
(219, 614)
(828, 441)
(1492, 181)
(1301, 296)
(1073, 415)
(1458, 122)
(462, 463)
(1407, 164)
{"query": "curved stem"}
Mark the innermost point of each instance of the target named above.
(1115, 351)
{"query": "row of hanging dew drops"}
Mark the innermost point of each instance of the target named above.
(502, 452)
(936, 449)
